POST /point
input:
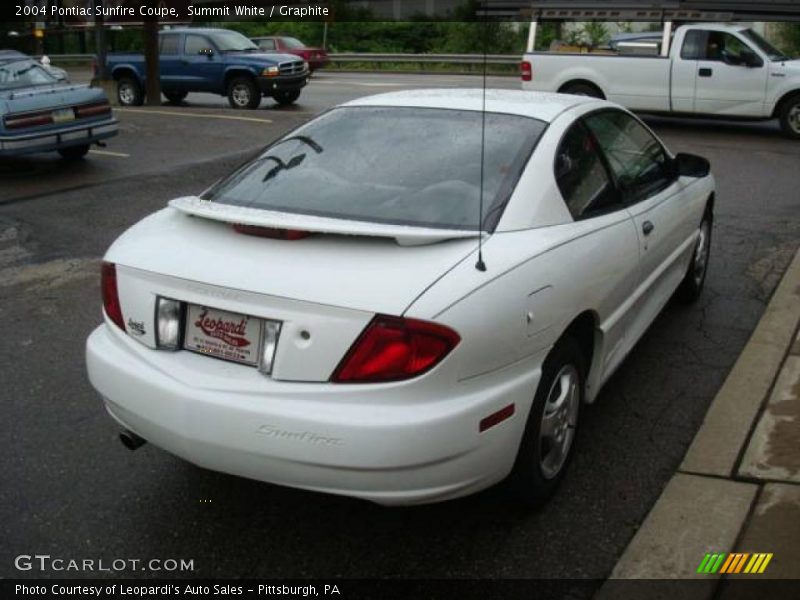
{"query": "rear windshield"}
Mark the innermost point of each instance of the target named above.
(411, 166)
(291, 42)
(22, 73)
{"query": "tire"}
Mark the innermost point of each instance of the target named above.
(243, 93)
(74, 152)
(581, 89)
(692, 284)
(789, 117)
(286, 98)
(129, 92)
(545, 453)
(175, 97)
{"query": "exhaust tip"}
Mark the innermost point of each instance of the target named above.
(130, 440)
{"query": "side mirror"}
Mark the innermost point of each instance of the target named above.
(690, 165)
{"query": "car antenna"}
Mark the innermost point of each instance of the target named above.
(480, 265)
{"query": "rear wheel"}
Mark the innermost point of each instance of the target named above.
(74, 152)
(175, 97)
(546, 447)
(695, 277)
(789, 116)
(581, 89)
(129, 92)
(287, 97)
(243, 93)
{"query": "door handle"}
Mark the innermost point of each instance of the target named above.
(706, 72)
(647, 227)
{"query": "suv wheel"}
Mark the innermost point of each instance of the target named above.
(243, 93)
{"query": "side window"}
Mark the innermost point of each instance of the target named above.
(266, 44)
(196, 44)
(694, 45)
(724, 47)
(638, 162)
(169, 44)
(581, 176)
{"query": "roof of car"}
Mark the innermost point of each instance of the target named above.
(537, 105)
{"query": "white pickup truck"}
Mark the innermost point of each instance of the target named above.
(703, 69)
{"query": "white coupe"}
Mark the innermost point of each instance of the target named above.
(407, 299)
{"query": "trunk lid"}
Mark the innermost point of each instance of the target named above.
(347, 264)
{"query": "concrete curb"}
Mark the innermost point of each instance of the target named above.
(703, 509)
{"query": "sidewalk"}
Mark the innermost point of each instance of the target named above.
(738, 488)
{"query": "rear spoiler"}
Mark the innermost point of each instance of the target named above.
(405, 235)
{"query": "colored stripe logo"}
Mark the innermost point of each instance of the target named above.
(734, 562)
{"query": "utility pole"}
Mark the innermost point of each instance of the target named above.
(152, 84)
(100, 45)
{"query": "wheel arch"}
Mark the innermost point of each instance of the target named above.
(585, 330)
(121, 71)
(784, 98)
(579, 81)
(234, 72)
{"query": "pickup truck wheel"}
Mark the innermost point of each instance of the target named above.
(547, 443)
(790, 116)
(243, 93)
(581, 89)
(129, 92)
(74, 152)
(175, 97)
(287, 97)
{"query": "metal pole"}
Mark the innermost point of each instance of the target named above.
(152, 84)
(100, 44)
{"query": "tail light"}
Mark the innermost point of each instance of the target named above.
(35, 119)
(393, 349)
(108, 278)
(271, 232)
(92, 110)
(526, 70)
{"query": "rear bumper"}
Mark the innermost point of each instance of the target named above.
(46, 141)
(282, 83)
(351, 440)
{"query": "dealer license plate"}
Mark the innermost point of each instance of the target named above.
(62, 115)
(223, 334)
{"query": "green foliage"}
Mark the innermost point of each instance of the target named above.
(789, 34)
(595, 33)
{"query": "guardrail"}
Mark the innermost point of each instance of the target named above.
(369, 58)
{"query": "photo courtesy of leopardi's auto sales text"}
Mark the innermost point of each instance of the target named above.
(386, 299)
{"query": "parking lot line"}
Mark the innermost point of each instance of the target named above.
(175, 113)
(110, 153)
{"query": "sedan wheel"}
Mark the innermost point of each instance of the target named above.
(549, 437)
(695, 277)
(559, 421)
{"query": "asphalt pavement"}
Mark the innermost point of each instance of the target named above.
(71, 490)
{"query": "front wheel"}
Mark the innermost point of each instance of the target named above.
(74, 152)
(243, 93)
(546, 447)
(695, 277)
(129, 92)
(789, 117)
(286, 98)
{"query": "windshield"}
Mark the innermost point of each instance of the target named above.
(22, 73)
(410, 166)
(771, 51)
(231, 41)
(291, 42)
